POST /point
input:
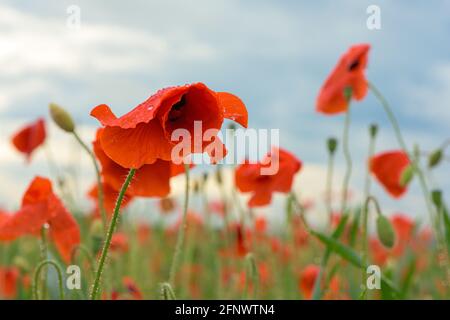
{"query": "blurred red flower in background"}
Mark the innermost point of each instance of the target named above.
(143, 135)
(9, 277)
(29, 138)
(248, 177)
(388, 168)
(348, 73)
(40, 206)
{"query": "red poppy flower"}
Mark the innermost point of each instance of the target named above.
(388, 168)
(9, 277)
(150, 180)
(348, 73)
(307, 280)
(249, 177)
(143, 135)
(30, 137)
(40, 206)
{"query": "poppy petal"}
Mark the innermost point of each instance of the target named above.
(132, 148)
(64, 230)
(234, 108)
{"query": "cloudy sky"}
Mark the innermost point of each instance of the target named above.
(273, 54)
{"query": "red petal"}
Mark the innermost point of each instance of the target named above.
(234, 108)
(30, 137)
(64, 230)
(132, 148)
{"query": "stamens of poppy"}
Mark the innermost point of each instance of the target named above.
(176, 110)
(354, 65)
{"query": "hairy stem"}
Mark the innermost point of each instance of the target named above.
(101, 205)
(109, 234)
(36, 277)
(181, 233)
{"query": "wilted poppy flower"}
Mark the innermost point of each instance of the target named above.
(249, 177)
(40, 206)
(348, 74)
(9, 277)
(150, 180)
(30, 137)
(143, 135)
(388, 168)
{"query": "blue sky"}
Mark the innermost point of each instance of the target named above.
(273, 54)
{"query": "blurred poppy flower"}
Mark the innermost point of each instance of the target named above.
(143, 135)
(40, 206)
(249, 177)
(110, 195)
(132, 288)
(150, 180)
(119, 242)
(29, 138)
(260, 224)
(388, 168)
(9, 277)
(348, 73)
(307, 280)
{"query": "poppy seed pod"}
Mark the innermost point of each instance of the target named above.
(62, 118)
(385, 231)
(435, 158)
(332, 145)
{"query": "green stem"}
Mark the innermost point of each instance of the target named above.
(414, 163)
(37, 274)
(101, 205)
(348, 161)
(365, 214)
(85, 251)
(109, 234)
(44, 253)
(183, 227)
(329, 187)
(317, 291)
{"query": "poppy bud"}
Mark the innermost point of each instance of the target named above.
(96, 231)
(435, 158)
(373, 130)
(205, 177)
(348, 91)
(407, 176)
(436, 196)
(219, 176)
(167, 291)
(332, 145)
(61, 117)
(21, 263)
(252, 270)
(385, 231)
(196, 187)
